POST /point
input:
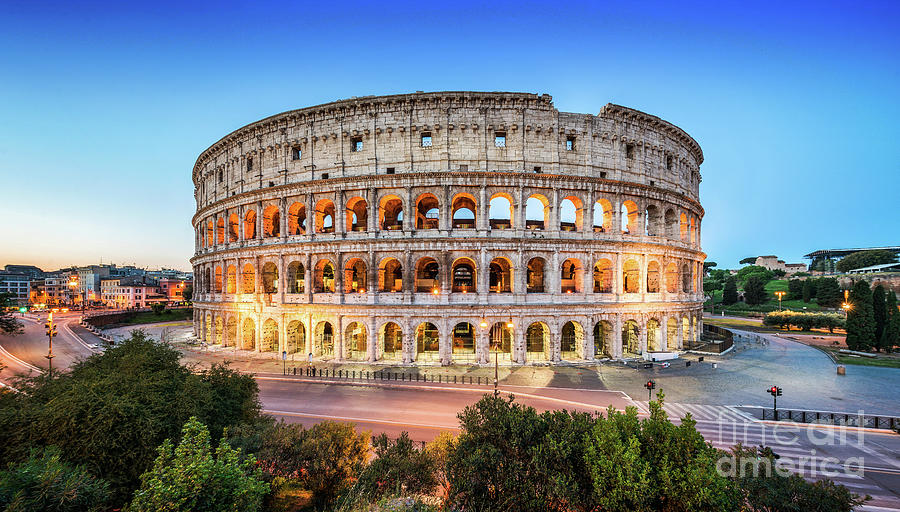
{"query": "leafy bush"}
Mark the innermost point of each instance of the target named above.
(337, 457)
(865, 259)
(192, 477)
(45, 482)
(804, 321)
(755, 270)
(157, 308)
(399, 469)
(754, 290)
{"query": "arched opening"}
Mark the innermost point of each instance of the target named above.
(390, 276)
(210, 234)
(501, 340)
(325, 216)
(603, 215)
(571, 214)
(324, 340)
(535, 276)
(652, 221)
(631, 277)
(693, 230)
(230, 338)
(271, 222)
(671, 333)
(250, 225)
(269, 336)
(463, 342)
(233, 228)
(629, 218)
(571, 276)
(296, 337)
(653, 277)
(537, 212)
(392, 341)
(219, 288)
(631, 341)
(500, 211)
(270, 278)
(427, 342)
(208, 332)
(685, 332)
(208, 282)
(683, 227)
(603, 339)
(391, 212)
(463, 276)
(355, 340)
(686, 278)
(671, 278)
(297, 219)
(427, 212)
(324, 277)
(671, 221)
(427, 271)
(537, 342)
(231, 279)
(219, 330)
(463, 211)
(220, 231)
(653, 335)
(603, 276)
(501, 277)
(248, 336)
(355, 276)
(571, 341)
(296, 278)
(357, 214)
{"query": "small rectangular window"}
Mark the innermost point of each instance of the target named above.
(669, 163)
(296, 153)
(500, 139)
(390, 170)
(249, 164)
(426, 140)
(324, 175)
(652, 183)
(356, 144)
(271, 183)
(629, 151)
(537, 168)
(463, 167)
(221, 177)
(570, 144)
(603, 175)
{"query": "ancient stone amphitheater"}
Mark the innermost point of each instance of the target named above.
(440, 227)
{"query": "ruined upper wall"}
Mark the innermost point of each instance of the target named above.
(320, 142)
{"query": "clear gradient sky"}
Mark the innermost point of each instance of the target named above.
(105, 106)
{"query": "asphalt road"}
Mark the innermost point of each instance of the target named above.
(867, 462)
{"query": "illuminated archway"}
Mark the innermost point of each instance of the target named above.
(427, 342)
(356, 341)
(537, 342)
(571, 340)
(500, 211)
(463, 211)
(603, 276)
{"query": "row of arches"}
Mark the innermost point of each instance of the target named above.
(573, 215)
(426, 277)
(464, 342)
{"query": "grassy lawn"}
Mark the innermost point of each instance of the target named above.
(745, 325)
(883, 361)
(742, 309)
(149, 317)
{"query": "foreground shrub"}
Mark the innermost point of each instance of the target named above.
(398, 469)
(804, 321)
(192, 477)
(44, 482)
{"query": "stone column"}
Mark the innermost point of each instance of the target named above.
(339, 341)
(554, 216)
(518, 220)
(617, 337)
(258, 338)
(372, 339)
(445, 222)
(519, 341)
(484, 273)
(340, 214)
(644, 335)
(282, 220)
(482, 350)
(446, 343)
(482, 211)
(372, 223)
(679, 332)
(310, 214)
(409, 344)
(664, 334)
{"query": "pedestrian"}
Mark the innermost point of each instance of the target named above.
(295, 370)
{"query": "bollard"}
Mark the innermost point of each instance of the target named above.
(841, 370)
(354, 374)
(454, 379)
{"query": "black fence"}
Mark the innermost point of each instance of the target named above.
(385, 375)
(832, 418)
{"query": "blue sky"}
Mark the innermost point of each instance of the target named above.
(105, 106)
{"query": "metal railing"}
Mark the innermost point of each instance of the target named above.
(832, 418)
(385, 375)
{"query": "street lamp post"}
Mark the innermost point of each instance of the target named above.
(779, 295)
(51, 332)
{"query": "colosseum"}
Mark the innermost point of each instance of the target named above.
(439, 228)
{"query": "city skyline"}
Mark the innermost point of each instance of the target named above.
(111, 106)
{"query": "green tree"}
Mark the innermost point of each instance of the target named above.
(157, 308)
(828, 292)
(879, 314)
(8, 322)
(763, 273)
(111, 411)
(711, 285)
(890, 338)
(45, 482)
(729, 292)
(748, 261)
(860, 318)
(865, 259)
(754, 290)
(339, 456)
(795, 289)
(399, 469)
(188, 292)
(193, 477)
(806, 290)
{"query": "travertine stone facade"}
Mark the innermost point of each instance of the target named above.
(437, 227)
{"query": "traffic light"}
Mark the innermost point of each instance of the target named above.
(774, 391)
(650, 385)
